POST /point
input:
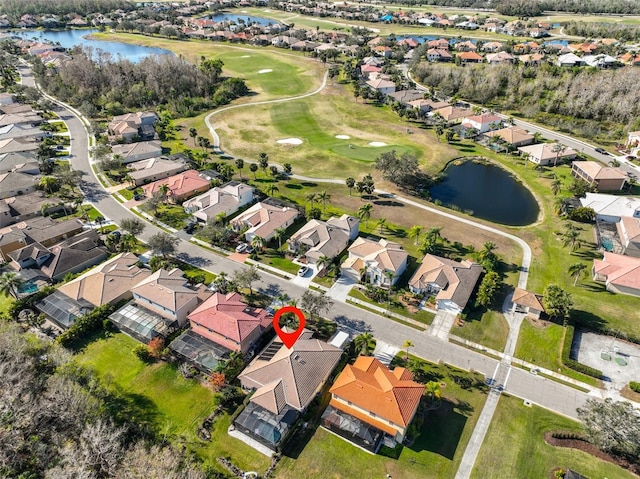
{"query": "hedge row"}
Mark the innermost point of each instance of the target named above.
(634, 386)
(568, 435)
(85, 325)
(571, 363)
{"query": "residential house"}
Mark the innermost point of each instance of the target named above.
(161, 303)
(31, 118)
(528, 303)
(628, 229)
(466, 46)
(531, 59)
(439, 55)
(600, 61)
(155, 169)
(108, 283)
(569, 60)
(604, 178)
(142, 150)
(263, 220)
(30, 205)
(23, 161)
(383, 261)
(5, 214)
(6, 99)
(11, 145)
(72, 255)
(514, 136)
(370, 71)
(500, 58)
(482, 123)
(469, 57)
(370, 402)
(17, 183)
(383, 86)
(611, 208)
(450, 114)
(439, 44)
(633, 139)
(225, 199)
(621, 274)
(181, 186)
(492, 47)
(133, 126)
(425, 106)
(280, 395)
(548, 153)
(22, 131)
(324, 238)
(228, 321)
(451, 282)
(405, 96)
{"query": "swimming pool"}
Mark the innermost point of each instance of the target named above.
(28, 288)
(607, 244)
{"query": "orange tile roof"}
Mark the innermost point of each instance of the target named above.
(370, 385)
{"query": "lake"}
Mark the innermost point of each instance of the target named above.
(72, 38)
(247, 19)
(489, 191)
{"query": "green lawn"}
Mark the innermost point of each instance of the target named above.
(191, 272)
(172, 215)
(421, 316)
(515, 446)
(171, 404)
(5, 303)
(489, 329)
(278, 262)
(435, 453)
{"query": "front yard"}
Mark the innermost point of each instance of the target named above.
(515, 446)
(435, 453)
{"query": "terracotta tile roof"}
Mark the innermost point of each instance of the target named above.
(484, 119)
(525, 298)
(470, 56)
(619, 270)
(598, 171)
(628, 229)
(302, 369)
(370, 385)
(513, 134)
(385, 254)
(180, 185)
(264, 218)
(450, 113)
(229, 316)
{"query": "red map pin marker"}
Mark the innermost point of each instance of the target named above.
(289, 339)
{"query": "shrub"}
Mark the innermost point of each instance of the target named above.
(155, 347)
(84, 325)
(582, 214)
(634, 386)
(142, 352)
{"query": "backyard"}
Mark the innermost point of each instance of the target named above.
(435, 453)
(515, 446)
(168, 403)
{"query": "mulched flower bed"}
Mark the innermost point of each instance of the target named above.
(593, 450)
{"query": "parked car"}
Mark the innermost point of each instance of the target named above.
(602, 151)
(139, 197)
(191, 226)
(242, 248)
(303, 271)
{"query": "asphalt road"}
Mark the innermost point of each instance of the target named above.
(546, 393)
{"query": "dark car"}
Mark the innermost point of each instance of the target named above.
(191, 227)
(139, 197)
(602, 151)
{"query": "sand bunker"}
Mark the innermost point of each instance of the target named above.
(377, 143)
(243, 11)
(266, 70)
(290, 141)
(245, 56)
(343, 137)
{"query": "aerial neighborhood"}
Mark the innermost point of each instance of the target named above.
(289, 239)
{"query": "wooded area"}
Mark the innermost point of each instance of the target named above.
(586, 101)
(16, 8)
(101, 84)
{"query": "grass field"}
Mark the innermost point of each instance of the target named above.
(515, 446)
(316, 120)
(171, 404)
(6, 301)
(291, 74)
(435, 453)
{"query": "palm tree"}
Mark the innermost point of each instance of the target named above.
(381, 223)
(240, 166)
(559, 205)
(558, 149)
(571, 238)
(364, 344)
(556, 187)
(253, 168)
(263, 162)
(576, 271)
(279, 234)
(415, 232)
(351, 182)
(9, 284)
(364, 212)
(406, 345)
(44, 208)
(322, 262)
(312, 198)
(99, 220)
(164, 190)
(48, 183)
(487, 250)
(271, 188)
(258, 243)
(128, 243)
(432, 388)
(324, 197)
(193, 133)
(614, 163)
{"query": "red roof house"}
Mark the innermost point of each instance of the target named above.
(229, 322)
(181, 186)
